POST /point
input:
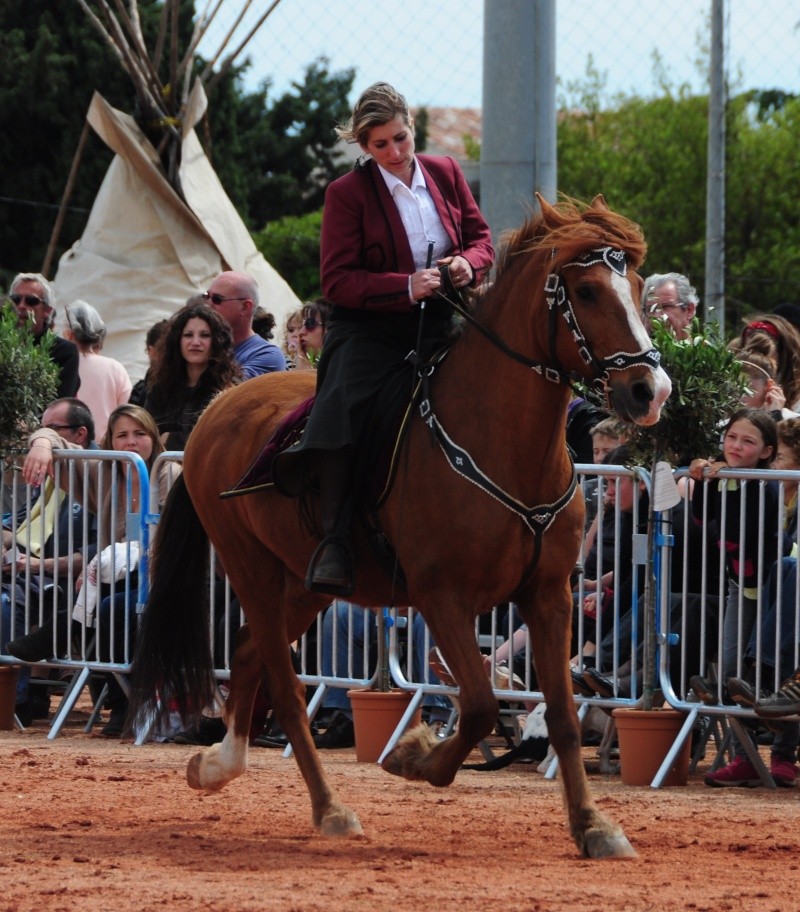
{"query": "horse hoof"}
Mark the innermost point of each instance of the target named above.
(340, 821)
(602, 844)
(193, 772)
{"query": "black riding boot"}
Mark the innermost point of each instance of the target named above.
(331, 569)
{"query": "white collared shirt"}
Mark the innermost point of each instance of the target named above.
(419, 216)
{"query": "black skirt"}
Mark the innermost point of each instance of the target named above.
(365, 355)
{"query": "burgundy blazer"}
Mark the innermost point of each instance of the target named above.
(365, 257)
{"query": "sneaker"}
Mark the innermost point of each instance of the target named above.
(740, 773)
(704, 690)
(340, 733)
(784, 772)
(786, 702)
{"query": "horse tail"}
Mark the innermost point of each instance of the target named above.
(173, 666)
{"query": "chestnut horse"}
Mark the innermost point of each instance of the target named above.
(565, 303)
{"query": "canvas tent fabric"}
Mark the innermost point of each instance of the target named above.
(145, 250)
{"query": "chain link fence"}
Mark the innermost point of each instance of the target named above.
(434, 52)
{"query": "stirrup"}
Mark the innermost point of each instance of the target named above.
(342, 585)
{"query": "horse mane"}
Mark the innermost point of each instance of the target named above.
(573, 228)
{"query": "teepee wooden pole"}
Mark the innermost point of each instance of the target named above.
(162, 33)
(201, 26)
(65, 198)
(228, 63)
(138, 41)
(225, 41)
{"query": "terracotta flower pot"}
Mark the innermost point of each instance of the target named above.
(645, 737)
(8, 695)
(376, 715)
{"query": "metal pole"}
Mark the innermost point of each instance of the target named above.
(545, 174)
(714, 297)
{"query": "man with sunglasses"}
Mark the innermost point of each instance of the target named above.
(234, 296)
(34, 302)
(42, 550)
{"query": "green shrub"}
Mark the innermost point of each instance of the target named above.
(28, 380)
(291, 246)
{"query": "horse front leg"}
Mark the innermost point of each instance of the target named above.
(549, 621)
(419, 754)
(212, 769)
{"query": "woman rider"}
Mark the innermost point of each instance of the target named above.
(387, 228)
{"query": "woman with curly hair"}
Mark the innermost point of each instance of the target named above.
(195, 363)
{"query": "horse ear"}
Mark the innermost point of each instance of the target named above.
(549, 214)
(599, 202)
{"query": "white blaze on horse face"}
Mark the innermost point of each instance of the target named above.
(662, 385)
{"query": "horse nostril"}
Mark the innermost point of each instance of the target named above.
(642, 391)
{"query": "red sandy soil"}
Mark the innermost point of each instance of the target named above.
(90, 824)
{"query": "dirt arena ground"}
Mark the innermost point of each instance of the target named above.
(95, 825)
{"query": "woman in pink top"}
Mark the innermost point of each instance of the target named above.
(105, 383)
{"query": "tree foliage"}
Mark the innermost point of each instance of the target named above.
(273, 156)
(291, 245)
(648, 157)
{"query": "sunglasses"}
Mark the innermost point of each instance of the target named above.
(217, 299)
(310, 323)
(29, 300)
(63, 427)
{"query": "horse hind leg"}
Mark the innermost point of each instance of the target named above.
(214, 768)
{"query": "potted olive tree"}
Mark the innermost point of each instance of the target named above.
(707, 386)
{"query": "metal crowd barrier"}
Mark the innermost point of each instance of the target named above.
(69, 533)
(689, 623)
(692, 624)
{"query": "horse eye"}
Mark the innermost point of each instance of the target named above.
(585, 294)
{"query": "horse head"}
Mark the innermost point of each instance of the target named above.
(593, 290)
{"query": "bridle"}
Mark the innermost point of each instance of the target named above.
(559, 304)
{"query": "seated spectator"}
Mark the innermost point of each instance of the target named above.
(234, 296)
(295, 359)
(130, 429)
(139, 391)
(780, 341)
(105, 383)
(30, 564)
(315, 316)
(35, 303)
(762, 390)
(263, 323)
(195, 362)
(670, 297)
(749, 442)
(606, 436)
(582, 417)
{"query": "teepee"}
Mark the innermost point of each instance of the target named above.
(161, 226)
